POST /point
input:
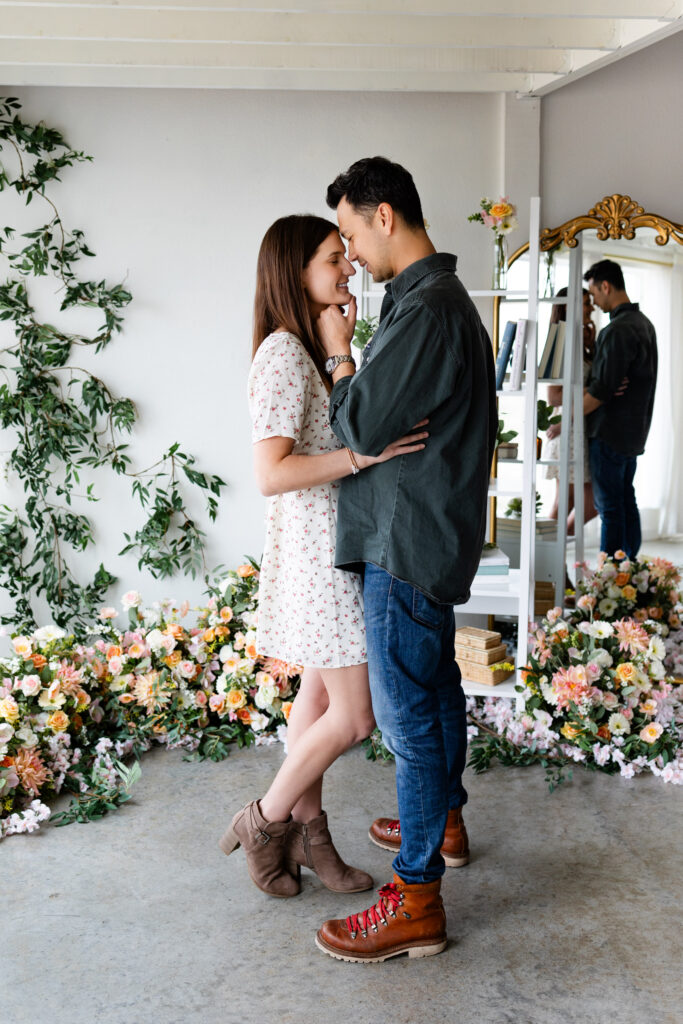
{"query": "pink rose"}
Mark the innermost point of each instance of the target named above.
(115, 665)
(200, 699)
(30, 685)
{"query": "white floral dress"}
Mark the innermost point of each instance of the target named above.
(309, 612)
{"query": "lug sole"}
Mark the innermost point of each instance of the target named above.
(414, 952)
(451, 862)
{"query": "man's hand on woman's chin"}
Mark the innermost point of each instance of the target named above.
(335, 330)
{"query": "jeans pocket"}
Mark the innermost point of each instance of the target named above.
(427, 612)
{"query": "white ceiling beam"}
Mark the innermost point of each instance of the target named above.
(231, 78)
(311, 29)
(669, 9)
(322, 58)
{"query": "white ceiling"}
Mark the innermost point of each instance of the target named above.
(521, 46)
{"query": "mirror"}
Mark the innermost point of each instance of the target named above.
(618, 228)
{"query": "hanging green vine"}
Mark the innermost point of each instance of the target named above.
(62, 419)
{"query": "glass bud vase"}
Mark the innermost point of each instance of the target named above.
(499, 279)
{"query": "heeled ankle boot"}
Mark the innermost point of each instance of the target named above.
(310, 845)
(264, 845)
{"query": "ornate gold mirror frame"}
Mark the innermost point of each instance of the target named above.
(614, 216)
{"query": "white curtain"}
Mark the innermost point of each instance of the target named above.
(671, 514)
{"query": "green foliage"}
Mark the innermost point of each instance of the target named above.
(514, 507)
(64, 419)
(375, 749)
(504, 436)
(545, 416)
(101, 797)
(365, 328)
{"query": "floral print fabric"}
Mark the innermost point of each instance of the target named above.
(309, 612)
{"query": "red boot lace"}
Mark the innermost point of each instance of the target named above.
(390, 897)
(394, 825)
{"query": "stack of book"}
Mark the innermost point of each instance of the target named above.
(494, 567)
(477, 652)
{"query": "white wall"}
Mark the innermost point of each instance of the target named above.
(616, 130)
(182, 188)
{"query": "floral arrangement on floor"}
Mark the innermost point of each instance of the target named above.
(73, 708)
(598, 689)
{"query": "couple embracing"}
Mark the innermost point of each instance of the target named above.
(377, 483)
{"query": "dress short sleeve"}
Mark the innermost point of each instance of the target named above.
(279, 388)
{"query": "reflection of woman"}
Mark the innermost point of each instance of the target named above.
(309, 612)
(552, 450)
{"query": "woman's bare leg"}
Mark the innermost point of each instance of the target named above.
(347, 720)
(310, 704)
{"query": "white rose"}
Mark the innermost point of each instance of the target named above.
(26, 736)
(265, 695)
(30, 685)
(6, 732)
(258, 722)
(614, 592)
(602, 658)
(156, 640)
(47, 633)
(131, 599)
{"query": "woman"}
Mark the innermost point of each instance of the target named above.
(310, 613)
(559, 312)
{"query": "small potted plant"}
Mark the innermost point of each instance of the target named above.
(504, 446)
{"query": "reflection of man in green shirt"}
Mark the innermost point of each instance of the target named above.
(415, 533)
(618, 423)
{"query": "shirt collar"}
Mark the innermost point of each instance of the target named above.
(625, 307)
(416, 271)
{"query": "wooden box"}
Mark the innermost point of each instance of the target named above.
(482, 674)
(487, 657)
(481, 639)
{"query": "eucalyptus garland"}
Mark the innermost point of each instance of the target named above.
(63, 420)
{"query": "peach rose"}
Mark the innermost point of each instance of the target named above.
(629, 592)
(603, 732)
(570, 732)
(626, 672)
(173, 659)
(619, 555)
(217, 703)
(22, 646)
(9, 709)
(235, 699)
(39, 661)
(245, 571)
(244, 715)
(209, 636)
(113, 651)
(500, 210)
(640, 614)
(58, 721)
(621, 579)
(654, 612)
(200, 699)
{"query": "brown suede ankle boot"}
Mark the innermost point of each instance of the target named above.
(386, 832)
(407, 919)
(264, 845)
(310, 845)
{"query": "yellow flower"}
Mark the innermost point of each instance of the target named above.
(500, 210)
(58, 722)
(570, 731)
(235, 699)
(626, 672)
(9, 709)
(629, 592)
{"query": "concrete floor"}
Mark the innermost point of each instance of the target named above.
(566, 914)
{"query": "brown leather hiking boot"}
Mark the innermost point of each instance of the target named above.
(386, 832)
(264, 845)
(310, 845)
(406, 919)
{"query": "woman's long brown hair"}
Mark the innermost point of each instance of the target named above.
(280, 301)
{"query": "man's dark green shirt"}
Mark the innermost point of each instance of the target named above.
(421, 516)
(626, 347)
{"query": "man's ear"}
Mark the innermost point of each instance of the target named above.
(386, 219)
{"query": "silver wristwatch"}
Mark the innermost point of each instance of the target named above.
(333, 362)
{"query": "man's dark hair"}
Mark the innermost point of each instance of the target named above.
(606, 270)
(375, 180)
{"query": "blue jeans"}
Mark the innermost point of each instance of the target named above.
(615, 498)
(419, 706)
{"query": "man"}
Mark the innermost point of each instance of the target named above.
(414, 527)
(618, 423)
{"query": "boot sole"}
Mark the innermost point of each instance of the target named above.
(414, 952)
(451, 862)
